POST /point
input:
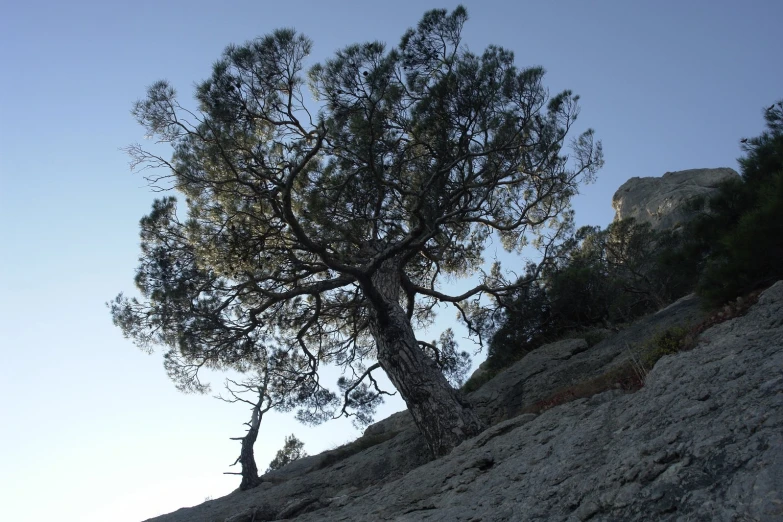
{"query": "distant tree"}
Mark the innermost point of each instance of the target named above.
(763, 162)
(646, 266)
(617, 274)
(274, 387)
(326, 235)
(292, 450)
(579, 285)
(260, 405)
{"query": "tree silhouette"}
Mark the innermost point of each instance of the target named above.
(292, 450)
(261, 404)
(326, 232)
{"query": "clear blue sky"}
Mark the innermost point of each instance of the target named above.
(90, 428)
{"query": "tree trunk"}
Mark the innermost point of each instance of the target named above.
(247, 459)
(443, 415)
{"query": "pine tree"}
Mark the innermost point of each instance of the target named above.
(292, 450)
(325, 234)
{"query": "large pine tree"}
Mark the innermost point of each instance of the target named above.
(324, 232)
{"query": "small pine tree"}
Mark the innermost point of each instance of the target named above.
(292, 450)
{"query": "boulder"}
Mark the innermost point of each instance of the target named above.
(661, 201)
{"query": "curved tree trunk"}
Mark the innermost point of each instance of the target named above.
(443, 415)
(247, 460)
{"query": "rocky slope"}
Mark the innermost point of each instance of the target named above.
(703, 440)
(661, 201)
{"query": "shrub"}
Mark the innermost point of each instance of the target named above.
(292, 450)
(593, 337)
(663, 343)
(602, 278)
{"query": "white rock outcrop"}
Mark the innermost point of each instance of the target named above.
(661, 201)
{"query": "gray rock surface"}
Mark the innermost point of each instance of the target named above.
(660, 201)
(703, 440)
(564, 363)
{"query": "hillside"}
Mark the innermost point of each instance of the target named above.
(702, 439)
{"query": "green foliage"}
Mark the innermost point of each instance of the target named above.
(663, 343)
(739, 234)
(292, 450)
(615, 275)
(308, 230)
(597, 279)
(524, 322)
(751, 254)
(445, 352)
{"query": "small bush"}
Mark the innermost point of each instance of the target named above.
(663, 343)
(292, 450)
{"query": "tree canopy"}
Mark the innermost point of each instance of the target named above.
(326, 230)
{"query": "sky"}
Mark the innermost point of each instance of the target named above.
(91, 429)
